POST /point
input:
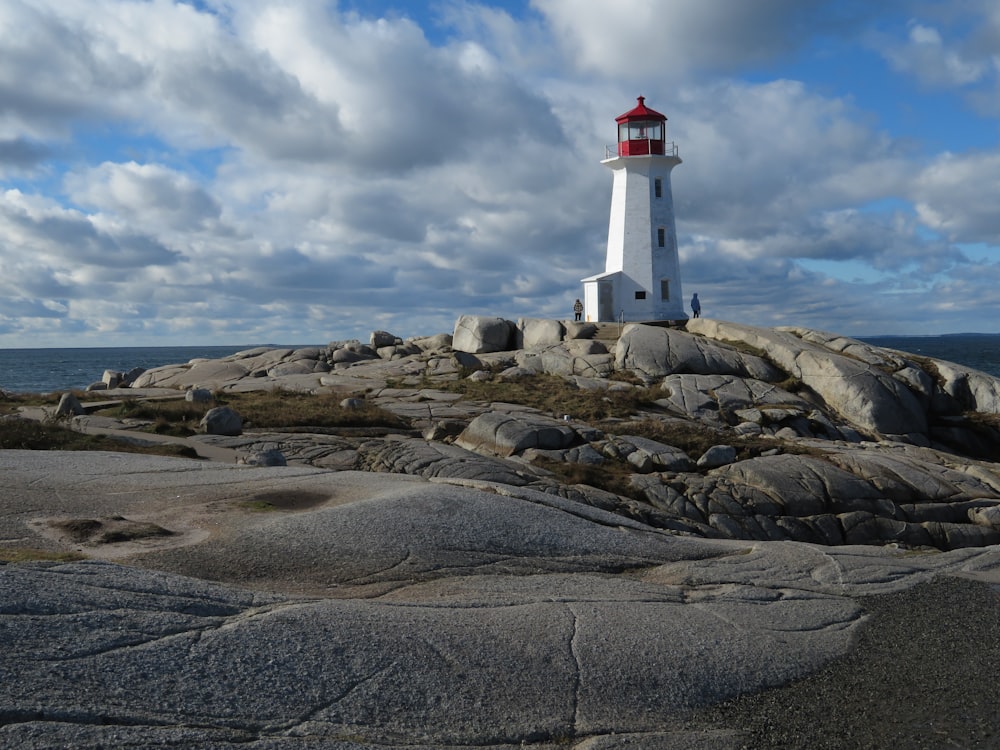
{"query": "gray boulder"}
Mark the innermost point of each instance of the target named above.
(436, 343)
(380, 339)
(575, 330)
(653, 352)
(198, 396)
(716, 456)
(506, 434)
(535, 332)
(645, 454)
(972, 389)
(221, 420)
(111, 378)
(272, 457)
(479, 334)
(69, 405)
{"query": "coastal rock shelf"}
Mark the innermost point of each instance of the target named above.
(824, 439)
(495, 574)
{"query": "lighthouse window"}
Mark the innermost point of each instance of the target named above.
(645, 129)
(664, 289)
(640, 295)
(658, 187)
(661, 237)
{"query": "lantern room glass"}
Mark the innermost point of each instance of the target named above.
(641, 130)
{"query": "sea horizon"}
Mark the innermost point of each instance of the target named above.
(53, 369)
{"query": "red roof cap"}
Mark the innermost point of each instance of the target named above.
(641, 112)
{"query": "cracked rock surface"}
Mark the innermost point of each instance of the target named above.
(397, 611)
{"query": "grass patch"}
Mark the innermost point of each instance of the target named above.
(257, 506)
(282, 409)
(611, 476)
(24, 434)
(27, 554)
(554, 395)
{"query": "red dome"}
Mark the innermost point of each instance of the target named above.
(640, 112)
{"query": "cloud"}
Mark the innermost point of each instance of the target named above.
(925, 56)
(956, 196)
(67, 238)
(290, 171)
(147, 195)
(21, 153)
(645, 40)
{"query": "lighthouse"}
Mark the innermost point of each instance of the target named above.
(642, 274)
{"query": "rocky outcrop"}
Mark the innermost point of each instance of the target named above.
(653, 353)
(478, 334)
(854, 387)
(807, 436)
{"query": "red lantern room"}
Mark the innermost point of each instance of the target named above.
(641, 131)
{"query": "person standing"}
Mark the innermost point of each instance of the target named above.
(696, 305)
(577, 310)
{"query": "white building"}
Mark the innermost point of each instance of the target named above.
(642, 274)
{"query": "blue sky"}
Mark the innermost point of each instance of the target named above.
(302, 171)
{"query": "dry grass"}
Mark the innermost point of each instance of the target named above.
(611, 476)
(22, 434)
(274, 409)
(27, 554)
(283, 409)
(554, 395)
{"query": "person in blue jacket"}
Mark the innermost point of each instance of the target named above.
(696, 305)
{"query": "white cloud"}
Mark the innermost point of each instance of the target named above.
(956, 196)
(926, 56)
(282, 171)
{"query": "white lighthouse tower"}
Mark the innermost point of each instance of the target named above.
(642, 274)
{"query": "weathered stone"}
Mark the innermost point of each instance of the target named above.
(575, 330)
(111, 378)
(468, 361)
(441, 430)
(532, 333)
(988, 516)
(518, 373)
(653, 353)
(477, 334)
(716, 456)
(645, 454)
(505, 434)
(380, 339)
(862, 393)
(352, 404)
(972, 389)
(69, 405)
(222, 420)
(198, 396)
(438, 342)
(271, 457)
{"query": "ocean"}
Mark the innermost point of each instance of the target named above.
(50, 370)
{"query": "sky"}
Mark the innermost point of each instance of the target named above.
(216, 172)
